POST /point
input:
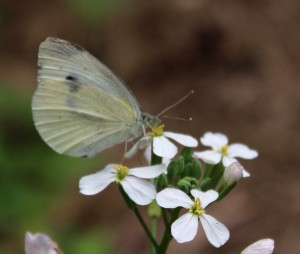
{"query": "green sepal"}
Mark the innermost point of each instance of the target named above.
(205, 184)
(187, 153)
(226, 191)
(161, 182)
(154, 210)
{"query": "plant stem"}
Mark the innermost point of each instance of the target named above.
(140, 218)
(131, 205)
(167, 235)
(154, 233)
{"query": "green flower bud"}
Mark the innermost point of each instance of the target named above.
(154, 210)
(187, 153)
(196, 169)
(205, 184)
(161, 182)
(188, 170)
(184, 185)
(172, 171)
(180, 162)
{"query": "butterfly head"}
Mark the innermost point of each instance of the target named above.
(150, 120)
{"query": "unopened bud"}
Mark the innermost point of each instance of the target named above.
(184, 185)
(172, 171)
(154, 210)
(187, 153)
(161, 182)
(233, 173)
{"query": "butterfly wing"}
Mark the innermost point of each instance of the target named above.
(80, 107)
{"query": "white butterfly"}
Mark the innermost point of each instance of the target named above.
(80, 107)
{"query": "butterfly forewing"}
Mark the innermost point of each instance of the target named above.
(80, 107)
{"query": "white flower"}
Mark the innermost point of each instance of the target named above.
(264, 246)
(40, 244)
(147, 155)
(162, 147)
(222, 151)
(185, 228)
(142, 192)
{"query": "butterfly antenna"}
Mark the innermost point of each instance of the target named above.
(179, 118)
(176, 103)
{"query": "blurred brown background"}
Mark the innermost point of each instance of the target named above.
(242, 58)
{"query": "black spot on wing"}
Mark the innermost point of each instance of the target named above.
(74, 84)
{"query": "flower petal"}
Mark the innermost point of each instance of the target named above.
(227, 160)
(171, 198)
(182, 139)
(139, 190)
(39, 244)
(264, 246)
(246, 173)
(242, 151)
(95, 183)
(147, 155)
(163, 147)
(148, 172)
(141, 144)
(210, 157)
(214, 140)
(185, 228)
(216, 233)
(205, 197)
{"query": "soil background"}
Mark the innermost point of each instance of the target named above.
(242, 59)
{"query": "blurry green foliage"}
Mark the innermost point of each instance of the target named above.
(93, 11)
(32, 178)
(88, 243)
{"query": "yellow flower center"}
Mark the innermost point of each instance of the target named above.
(122, 172)
(224, 150)
(158, 131)
(197, 208)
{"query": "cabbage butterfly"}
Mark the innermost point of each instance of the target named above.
(80, 107)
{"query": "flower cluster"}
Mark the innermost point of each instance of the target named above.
(179, 183)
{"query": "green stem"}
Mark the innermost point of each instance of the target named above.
(165, 218)
(154, 233)
(131, 205)
(218, 173)
(167, 237)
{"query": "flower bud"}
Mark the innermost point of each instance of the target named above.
(172, 171)
(233, 173)
(154, 210)
(187, 153)
(184, 185)
(180, 162)
(187, 170)
(205, 184)
(196, 169)
(161, 182)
